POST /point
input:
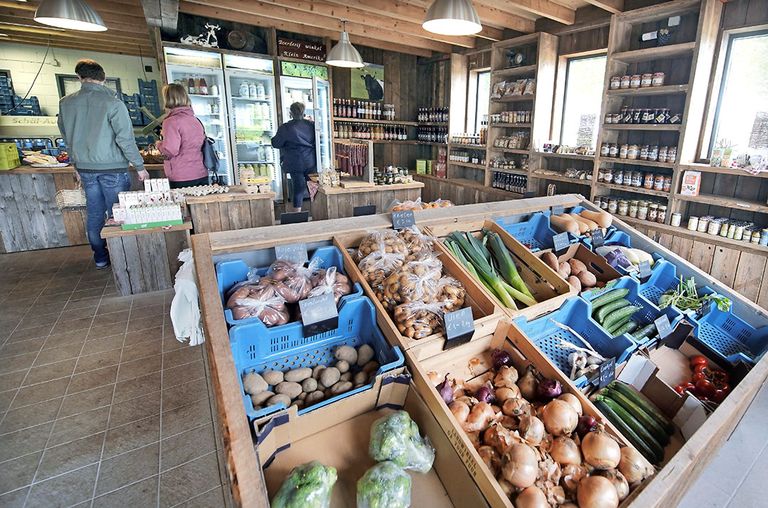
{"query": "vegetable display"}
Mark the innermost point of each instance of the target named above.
(614, 313)
(685, 296)
(581, 223)
(396, 438)
(307, 486)
(385, 485)
(577, 273)
(625, 258)
(707, 383)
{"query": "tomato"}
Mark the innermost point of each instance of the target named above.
(680, 389)
(698, 360)
(721, 394)
(698, 376)
(704, 388)
(684, 387)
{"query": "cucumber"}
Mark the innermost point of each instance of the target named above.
(637, 427)
(609, 297)
(619, 316)
(628, 327)
(641, 400)
(612, 330)
(646, 331)
(644, 418)
(626, 431)
(603, 312)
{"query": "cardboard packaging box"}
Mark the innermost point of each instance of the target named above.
(691, 183)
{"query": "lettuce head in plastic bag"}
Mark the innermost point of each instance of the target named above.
(307, 486)
(396, 437)
(385, 485)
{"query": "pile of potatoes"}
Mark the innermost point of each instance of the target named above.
(303, 387)
(574, 271)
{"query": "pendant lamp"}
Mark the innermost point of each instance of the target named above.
(71, 14)
(344, 53)
(452, 17)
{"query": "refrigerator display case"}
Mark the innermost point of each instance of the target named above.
(202, 74)
(251, 103)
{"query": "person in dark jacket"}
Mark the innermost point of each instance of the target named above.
(296, 141)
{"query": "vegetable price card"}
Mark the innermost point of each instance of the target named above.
(558, 210)
(607, 372)
(644, 270)
(598, 240)
(293, 252)
(319, 314)
(561, 242)
(663, 326)
(404, 219)
(459, 327)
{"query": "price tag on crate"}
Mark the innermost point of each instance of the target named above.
(645, 270)
(404, 219)
(663, 326)
(607, 372)
(319, 314)
(459, 327)
(558, 210)
(561, 242)
(293, 252)
(598, 240)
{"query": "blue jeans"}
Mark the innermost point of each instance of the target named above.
(101, 191)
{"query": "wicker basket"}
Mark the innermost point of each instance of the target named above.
(74, 198)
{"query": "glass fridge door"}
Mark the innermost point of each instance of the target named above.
(323, 141)
(202, 75)
(251, 99)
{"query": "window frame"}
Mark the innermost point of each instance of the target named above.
(472, 86)
(62, 78)
(561, 89)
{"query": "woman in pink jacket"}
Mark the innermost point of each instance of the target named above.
(183, 138)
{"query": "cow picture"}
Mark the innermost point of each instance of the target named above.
(368, 82)
(374, 87)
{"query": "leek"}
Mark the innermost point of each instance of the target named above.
(507, 264)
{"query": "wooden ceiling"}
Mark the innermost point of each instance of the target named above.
(386, 24)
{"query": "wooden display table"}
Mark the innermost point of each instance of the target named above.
(461, 191)
(233, 210)
(338, 202)
(145, 260)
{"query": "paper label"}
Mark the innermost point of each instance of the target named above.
(293, 252)
(319, 314)
(663, 326)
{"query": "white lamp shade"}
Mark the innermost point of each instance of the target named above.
(452, 17)
(344, 54)
(70, 14)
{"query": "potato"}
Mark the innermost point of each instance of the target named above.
(309, 384)
(298, 403)
(329, 377)
(576, 266)
(370, 367)
(587, 279)
(341, 387)
(550, 259)
(365, 354)
(314, 397)
(302, 396)
(288, 388)
(360, 378)
(343, 366)
(317, 370)
(347, 376)
(298, 375)
(346, 353)
(575, 282)
(279, 399)
(260, 398)
(273, 377)
(254, 383)
(564, 269)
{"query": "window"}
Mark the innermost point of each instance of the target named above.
(478, 92)
(581, 104)
(70, 83)
(741, 118)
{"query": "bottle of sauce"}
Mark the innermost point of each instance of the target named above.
(202, 87)
(191, 89)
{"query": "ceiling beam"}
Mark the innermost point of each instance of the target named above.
(18, 15)
(85, 45)
(538, 8)
(162, 14)
(104, 37)
(491, 16)
(275, 12)
(286, 26)
(612, 6)
(113, 32)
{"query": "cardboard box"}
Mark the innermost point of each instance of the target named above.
(691, 183)
(421, 166)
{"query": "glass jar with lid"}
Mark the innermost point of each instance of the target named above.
(693, 223)
(616, 82)
(676, 219)
(648, 181)
(623, 207)
(613, 150)
(704, 224)
(714, 226)
(657, 80)
(626, 81)
(633, 206)
(637, 178)
(662, 216)
(739, 233)
(642, 210)
(600, 175)
(623, 149)
(646, 80)
(663, 153)
(605, 149)
(618, 177)
(632, 152)
(653, 212)
(731, 230)
(608, 175)
(667, 183)
(613, 205)
(658, 182)
(653, 152)
(724, 228)
(643, 153)
(604, 203)
(635, 80)
(672, 154)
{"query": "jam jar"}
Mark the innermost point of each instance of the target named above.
(653, 212)
(657, 80)
(623, 207)
(642, 210)
(648, 181)
(662, 216)
(637, 178)
(623, 149)
(616, 83)
(634, 81)
(632, 152)
(618, 177)
(658, 182)
(633, 206)
(626, 81)
(646, 80)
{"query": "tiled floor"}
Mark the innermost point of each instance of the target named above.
(99, 404)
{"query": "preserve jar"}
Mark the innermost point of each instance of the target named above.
(613, 150)
(609, 118)
(643, 153)
(608, 175)
(613, 206)
(653, 212)
(637, 178)
(662, 216)
(731, 230)
(714, 227)
(633, 152)
(663, 149)
(642, 210)
(667, 184)
(634, 81)
(672, 154)
(658, 182)
(605, 150)
(739, 233)
(676, 219)
(633, 206)
(604, 204)
(704, 224)
(646, 80)
(756, 236)
(724, 229)
(618, 177)
(623, 208)
(653, 152)
(626, 81)
(600, 175)
(616, 82)
(693, 223)
(658, 79)
(648, 181)
(623, 150)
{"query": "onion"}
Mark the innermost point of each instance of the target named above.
(506, 376)
(560, 419)
(565, 451)
(485, 394)
(618, 481)
(445, 389)
(600, 450)
(506, 487)
(507, 392)
(498, 437)
(597, 492)
(520, 467)
(516, 407)
(572, 400)
(508, 422)
(634, 466)
(490, 458)
(586, 425)
(460, 411)
(571, 476)
(479, 417)
(474, 438)
(531, 497)
(528, 383)
(549, 389)
(531, 429)
(500, 358)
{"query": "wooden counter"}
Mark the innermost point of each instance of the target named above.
(145, 260)
(233, 210)
(338, 202)
(461, 191)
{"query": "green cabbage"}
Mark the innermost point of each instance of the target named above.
(396, 437)
(385, 485)
(307, 486)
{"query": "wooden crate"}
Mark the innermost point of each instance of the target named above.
(486, 313)
(546, 285)
(231, 211)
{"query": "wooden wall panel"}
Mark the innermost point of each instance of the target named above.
(724, 264)
(749, 275)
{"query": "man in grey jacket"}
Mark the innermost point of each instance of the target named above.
(99, 135)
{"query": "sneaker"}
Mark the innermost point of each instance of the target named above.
(101, 265)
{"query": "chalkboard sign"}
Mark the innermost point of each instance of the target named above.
(294, 217)
(529, 194)
(561, 242)
(404, 219)
(459, 327)
(598, 240)
(607, 372)
(364, 210)
(663, 326)
(558, 210)
(294, 252)
(645, 270)
(319, 314)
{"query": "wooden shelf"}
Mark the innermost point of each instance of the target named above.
(505, 125)
(705, 168)
(642, 127)
(573, 156)
(379, 122)
(657, 53)
(636, 190)
(520, 172)
(652, 90)
(516, 98)
(637, 162)
(561, 178)
(479, 167)
(641, 222)
(515, 151)
(432, 124)
(381, 141)
(734, 203)
(469, 147)
(514, 71)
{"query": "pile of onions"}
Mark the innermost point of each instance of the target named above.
(597, 492)
(528, 384)
(560, 419)
(532, 497)
(618, 481)
(600, 450)
(521, 467)
(565, 451)
(634, 466)
(531, 429)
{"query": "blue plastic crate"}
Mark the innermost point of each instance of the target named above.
(729, 337)
(646, 315)
(575, 314)
(229, 273)
(284, 348)
(534, 232)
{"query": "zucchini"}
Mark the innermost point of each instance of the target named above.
(612, 330)
(644, 418)
(628, 327)
(641, 400)
(603, 312)
(626, 431)
(645, 331)
(619, 316)
(609, 297)
(637, 427)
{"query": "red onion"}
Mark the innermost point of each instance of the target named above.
(586, 425)
(445, 389)
(485, 394)
(500, 358)
(549, 389)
